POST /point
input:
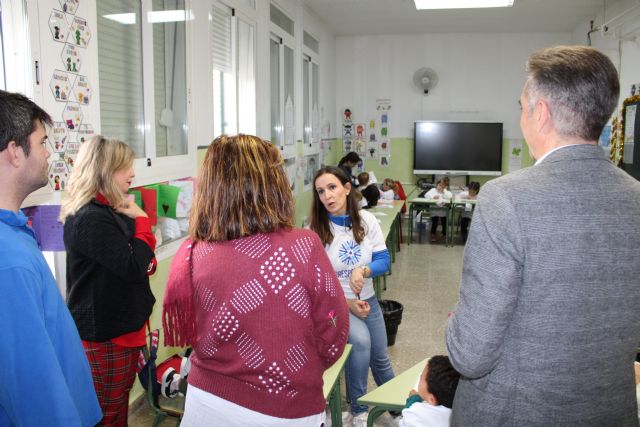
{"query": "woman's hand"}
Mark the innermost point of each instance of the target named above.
(356, 281)
(131, 209)
(359, 308)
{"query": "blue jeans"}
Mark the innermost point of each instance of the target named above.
(369, 340)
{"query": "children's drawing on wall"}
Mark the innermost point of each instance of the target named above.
(312, 163)
(384, 161)
(60, 85)
(290, 167)
(359, 168)
(515, 154)
(347, 131)
(58, 175)
(58, 25)
(385, 148)
(383, 107)
(79, 32)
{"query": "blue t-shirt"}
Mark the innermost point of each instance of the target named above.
(46, 380)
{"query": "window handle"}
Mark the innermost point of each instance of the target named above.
(37, 73)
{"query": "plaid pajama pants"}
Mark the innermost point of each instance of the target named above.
(113, 368)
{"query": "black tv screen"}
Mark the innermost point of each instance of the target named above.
(457, 148)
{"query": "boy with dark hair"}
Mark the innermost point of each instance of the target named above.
(370, 192)
(431, 404)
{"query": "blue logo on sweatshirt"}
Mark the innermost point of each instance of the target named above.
(349, 252)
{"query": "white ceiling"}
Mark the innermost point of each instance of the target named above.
(367, 17)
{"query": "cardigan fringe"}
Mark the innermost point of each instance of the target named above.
(178, 317)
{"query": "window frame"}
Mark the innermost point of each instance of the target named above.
(286, 40)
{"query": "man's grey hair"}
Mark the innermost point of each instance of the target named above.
(579, 84)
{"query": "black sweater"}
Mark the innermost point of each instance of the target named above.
(108, 290)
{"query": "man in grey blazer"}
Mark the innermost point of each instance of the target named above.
(548, 319)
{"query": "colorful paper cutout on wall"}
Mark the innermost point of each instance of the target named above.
(58, 175)
(58, 26)
(79, 33)
(71, 59)
(46, 227)
(61, 84)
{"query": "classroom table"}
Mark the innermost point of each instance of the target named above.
(392, 395)
(421, 202)
(388, 215)
(457, 205)
(331, 386)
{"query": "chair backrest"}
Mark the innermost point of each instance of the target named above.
(402, 195)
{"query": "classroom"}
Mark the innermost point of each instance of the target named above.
(318, 80)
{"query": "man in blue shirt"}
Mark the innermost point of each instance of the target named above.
(46, 376)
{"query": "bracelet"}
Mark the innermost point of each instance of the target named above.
(364, 271)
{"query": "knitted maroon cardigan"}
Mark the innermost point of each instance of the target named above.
(266, 316)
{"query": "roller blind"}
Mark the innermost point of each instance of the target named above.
(120, 81)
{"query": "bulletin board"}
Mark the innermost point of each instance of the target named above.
(630, 136)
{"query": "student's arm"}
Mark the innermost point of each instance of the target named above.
(491, 280)
(34, 391)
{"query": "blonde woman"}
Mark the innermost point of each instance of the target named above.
(257, 299)
(110, 248)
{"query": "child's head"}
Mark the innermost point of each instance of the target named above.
(389, 184)
(363, 178)
(442, 380)
(446, 181)
(474, 188)
(441, 185)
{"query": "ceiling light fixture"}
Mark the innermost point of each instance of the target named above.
(461, 4)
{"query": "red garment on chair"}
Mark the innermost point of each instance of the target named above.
(402, 195)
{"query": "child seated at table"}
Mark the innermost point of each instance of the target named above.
(369, 191)
(443, 196)
(467, 213)
(430, 405)
(388, 190)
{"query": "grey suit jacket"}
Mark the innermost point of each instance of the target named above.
(548, 319)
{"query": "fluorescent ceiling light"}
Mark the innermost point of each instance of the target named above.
(154, 17)
(461, 4)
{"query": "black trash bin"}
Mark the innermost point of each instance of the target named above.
(392, 313)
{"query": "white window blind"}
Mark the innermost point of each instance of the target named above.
(120, 65)
(221, 48)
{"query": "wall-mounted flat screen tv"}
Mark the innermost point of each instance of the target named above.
(457, 148)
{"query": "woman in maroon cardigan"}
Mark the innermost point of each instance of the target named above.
(257, 299)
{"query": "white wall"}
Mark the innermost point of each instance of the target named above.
(480, 76)
(621, 41)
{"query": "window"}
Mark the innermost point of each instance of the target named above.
(3, 81)
(282, 82)
(233, 62)
(311, 90)
(142, 57)
(15, 56)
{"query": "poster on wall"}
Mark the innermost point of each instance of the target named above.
(60, 85)
(58, 26)
(312, 164)
(58, 175)
(290, 166)
(629, 123)
(515, 154)
(347, 131)
(383, 147)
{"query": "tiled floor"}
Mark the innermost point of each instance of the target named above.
(425, 280)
